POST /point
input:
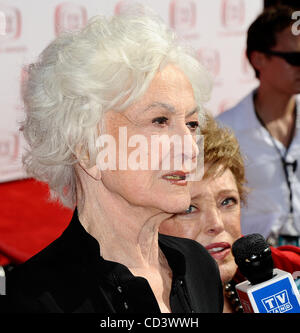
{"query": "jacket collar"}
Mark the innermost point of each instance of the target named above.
(86, 250)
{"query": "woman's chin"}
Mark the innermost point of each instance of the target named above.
(175, 203)
(227, 271)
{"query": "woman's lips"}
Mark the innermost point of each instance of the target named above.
(176, 178)
(218, 250)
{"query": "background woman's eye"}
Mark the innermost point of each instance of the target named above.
(160, 121)
(192, 125)
(229, 202)
(190, 210)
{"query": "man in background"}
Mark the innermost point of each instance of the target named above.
(267, 125)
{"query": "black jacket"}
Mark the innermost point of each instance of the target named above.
(70, 276)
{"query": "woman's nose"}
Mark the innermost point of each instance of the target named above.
(213, 222)
(189, 152)
(192, 145)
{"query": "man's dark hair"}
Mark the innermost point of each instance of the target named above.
(262, 33)
(291, 3)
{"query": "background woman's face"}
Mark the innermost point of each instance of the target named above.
(213, 219)
(167, 108)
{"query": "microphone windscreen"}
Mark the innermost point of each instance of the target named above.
(248, 246)
(253, 256)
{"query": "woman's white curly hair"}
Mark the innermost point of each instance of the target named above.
(80, 75)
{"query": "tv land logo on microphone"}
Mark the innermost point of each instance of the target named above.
(183, 14)
(69, 16)
(277, 303)
(10, 23)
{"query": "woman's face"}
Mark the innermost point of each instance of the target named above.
(167, 108)
(213, 219)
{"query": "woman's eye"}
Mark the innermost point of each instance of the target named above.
(161, 121)
(192, 125)
(190, 210)
(229, 202)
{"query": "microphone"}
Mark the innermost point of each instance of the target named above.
(267, 290)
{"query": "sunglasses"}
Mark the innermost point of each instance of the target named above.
(293, 58)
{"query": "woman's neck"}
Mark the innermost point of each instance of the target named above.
(126, 233)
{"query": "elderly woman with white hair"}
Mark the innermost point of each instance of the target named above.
(130, 74)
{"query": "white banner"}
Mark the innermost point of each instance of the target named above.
(215, 28)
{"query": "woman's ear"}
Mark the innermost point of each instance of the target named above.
(84, 159)
(85, 165)
(93, 171)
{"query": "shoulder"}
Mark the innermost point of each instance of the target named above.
(194, 253)
(54, 266)
(202, 274)
(236, 117)
(36, 270)
(41, 266)
(37, 284)
(188, 247)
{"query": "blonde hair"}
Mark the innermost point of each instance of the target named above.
(107, 65)
(221, 152)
